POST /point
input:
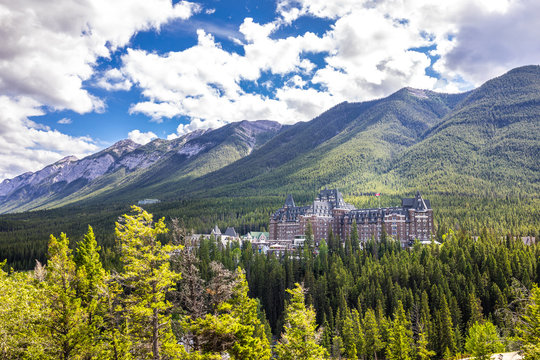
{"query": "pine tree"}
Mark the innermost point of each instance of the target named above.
(358, 331)
(235, 329)
(354, 237)
(447, 339)
(251, 340)
(483, 340)
(475, 310)
(326, 339)
(373, 342)
(349, 337)
(65, 325)
(400, 342)
(21, 313)
(146, 279)
(528, 331)
(422, 347)
(90, 280)
(299, 340)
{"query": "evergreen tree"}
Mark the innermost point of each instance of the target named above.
(235, 329)
(326, 339)
(528, 331)
(373, 342)
(21, 313)
(358, 331)
(115, 339)
(483, 340)
(146, 280)
(251, 339)
(354, 237)
(299, 341)
(475, 310)
(349, 337)
(422, 348)
(400, 342)
(65, 325)
(446, 339)
(91, 279)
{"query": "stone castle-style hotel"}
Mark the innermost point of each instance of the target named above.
(413, 220)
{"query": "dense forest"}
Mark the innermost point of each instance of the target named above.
(23, 236)
(170, 296)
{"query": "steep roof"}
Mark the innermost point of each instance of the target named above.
(418, 203)
(289, 202)
(216, 231)
(258, 234)
(231, 232)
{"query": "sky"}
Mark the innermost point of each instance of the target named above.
(77, 76)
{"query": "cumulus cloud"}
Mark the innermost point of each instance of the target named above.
(489, 43)
(49, 50)
(473, 40)
(372, 49)
(113, 80)
(141, 137)
(203, 82)
(27, 146)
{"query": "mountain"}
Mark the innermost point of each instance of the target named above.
(126, 164)
(489, 143)
(347, 144)
(484, 141)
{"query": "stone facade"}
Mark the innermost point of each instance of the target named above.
(413, 220)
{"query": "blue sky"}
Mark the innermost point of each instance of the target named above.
(78, 76)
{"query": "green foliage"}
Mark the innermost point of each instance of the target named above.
(372, 335)
(20, 316)
(422, 349)
(299, 341)
(235, 329)
(528, 332)
(375, 301)
(65, 324)
(483, 340)
(146, 279)
(400, 341)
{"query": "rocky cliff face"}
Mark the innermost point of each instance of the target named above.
(70, 174)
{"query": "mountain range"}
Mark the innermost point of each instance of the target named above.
(481, 141)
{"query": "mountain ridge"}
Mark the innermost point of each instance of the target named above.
(50, 185)
(411, 138)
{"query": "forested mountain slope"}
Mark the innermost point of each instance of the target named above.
(126, 167)
(481, 142)
(489, 143)
(347, 153)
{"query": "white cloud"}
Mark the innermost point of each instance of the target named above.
(489, 43)
(65, 121)
(113, 80)
(203, 82)
(369, 52)
(27, 146)
(49, 50)
(141, 137)
(475, 39)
